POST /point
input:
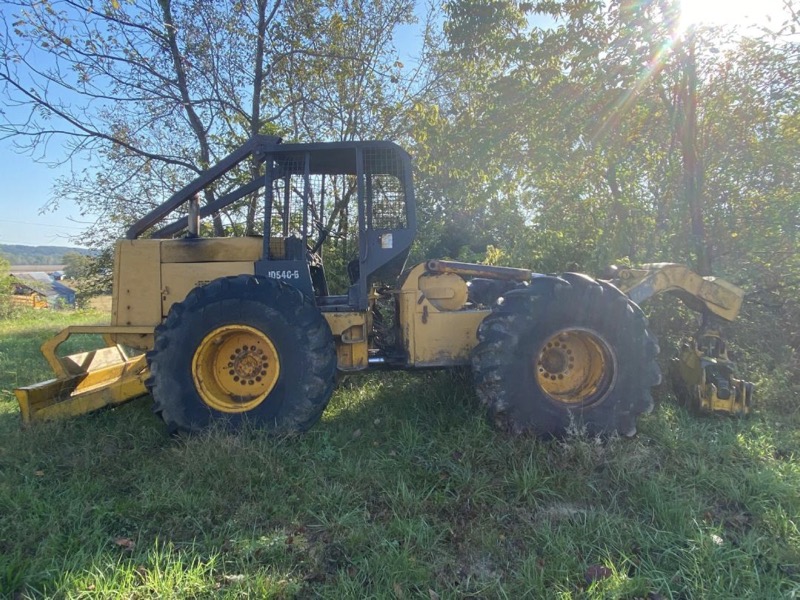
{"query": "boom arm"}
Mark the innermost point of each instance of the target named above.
(702, 374)
(700, 294)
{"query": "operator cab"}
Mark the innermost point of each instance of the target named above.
(363, 190)
(312, 188)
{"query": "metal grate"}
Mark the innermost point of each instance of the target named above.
(311, 191)
(385, 191)
(288, 193)
(277, 248)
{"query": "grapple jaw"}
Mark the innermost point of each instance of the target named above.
(704, 378)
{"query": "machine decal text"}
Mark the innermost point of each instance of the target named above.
(284, 274)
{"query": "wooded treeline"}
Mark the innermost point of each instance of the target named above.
(549, 134)
(17, 254)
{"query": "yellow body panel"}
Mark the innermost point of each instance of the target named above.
(136, 299)
(204, 250)
(150, 275)
(350, 331)
(434, 338)
(446, 291)
(181, 278)
(718, 296)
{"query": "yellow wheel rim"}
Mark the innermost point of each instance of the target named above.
(575, 367)
(235, 368)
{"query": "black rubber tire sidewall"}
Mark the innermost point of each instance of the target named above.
(299, 332)
(515, 332)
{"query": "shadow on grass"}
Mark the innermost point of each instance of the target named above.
(104, 499)
(401, 490)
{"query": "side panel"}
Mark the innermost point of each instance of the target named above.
(432, 337)
(181, 278)
(204, 250)
(350, 332)
(152, 275)
(136, 297)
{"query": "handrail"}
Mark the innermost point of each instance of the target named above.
(210, 209)
(257, 144)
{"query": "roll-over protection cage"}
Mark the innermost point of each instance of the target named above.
(297, 181)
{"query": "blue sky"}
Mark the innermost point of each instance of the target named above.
(26, 190)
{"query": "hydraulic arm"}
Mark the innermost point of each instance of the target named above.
(701, 294)
(703, 375)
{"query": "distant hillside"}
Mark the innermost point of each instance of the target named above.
(37, 255)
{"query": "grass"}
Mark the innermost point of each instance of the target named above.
(402, 491)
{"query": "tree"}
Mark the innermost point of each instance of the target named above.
(6, 307)
(76, 265)
(89, 276)
(604, 133)
(558, 125)
(151, 93)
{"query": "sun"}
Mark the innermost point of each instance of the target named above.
(742, 14)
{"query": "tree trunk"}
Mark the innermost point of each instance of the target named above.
(183, 87)
(255, 112)
(692, 167)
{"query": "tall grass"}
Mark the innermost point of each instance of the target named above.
(402, 491)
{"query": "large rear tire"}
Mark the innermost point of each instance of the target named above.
(562, 351)
(239, 349)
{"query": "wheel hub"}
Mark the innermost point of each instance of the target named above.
(248, 364)
(574, 367)
(235, 368)
(555, 361)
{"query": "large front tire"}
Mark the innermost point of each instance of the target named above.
(239, 349)
(562, 351)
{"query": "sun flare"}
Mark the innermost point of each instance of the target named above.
(742, 14)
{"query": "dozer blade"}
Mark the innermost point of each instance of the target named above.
(84, 382)
(79, 394)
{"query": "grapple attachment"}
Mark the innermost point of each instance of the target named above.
(705, 379)
(85, 381)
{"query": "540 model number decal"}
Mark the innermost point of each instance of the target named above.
(284, 274)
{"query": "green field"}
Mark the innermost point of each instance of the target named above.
(403, 490)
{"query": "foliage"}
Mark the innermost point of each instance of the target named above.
(573, 135)
(76, 265)
(89, 276)
(6, 307)
(568, 134)
(18, 254)
(551, 135)
(565, 132)
(151, 93)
